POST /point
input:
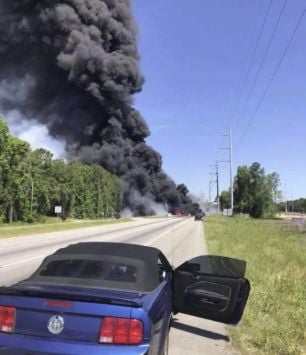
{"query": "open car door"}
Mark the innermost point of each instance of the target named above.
(211, 287)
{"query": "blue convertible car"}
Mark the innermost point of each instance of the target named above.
(113, 298)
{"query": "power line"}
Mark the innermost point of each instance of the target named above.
(273, 74)
(252, 60)
(262, 62)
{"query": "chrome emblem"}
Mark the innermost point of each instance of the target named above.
(56, 324)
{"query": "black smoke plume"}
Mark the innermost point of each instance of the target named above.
(73, 65)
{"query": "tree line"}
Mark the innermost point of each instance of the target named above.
(255, 192)
(298, 205)
(32, 183)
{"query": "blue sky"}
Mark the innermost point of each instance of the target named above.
(194, 56)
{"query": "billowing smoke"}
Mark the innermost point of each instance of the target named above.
(35, 133)
(73, 66)
(201, 200)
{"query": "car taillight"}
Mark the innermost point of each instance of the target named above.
(7, 319)
(121, 331)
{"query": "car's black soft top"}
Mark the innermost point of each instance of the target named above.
(142, 260)
(149, 254)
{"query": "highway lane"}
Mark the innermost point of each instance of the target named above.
(179, 239)
(20, 256)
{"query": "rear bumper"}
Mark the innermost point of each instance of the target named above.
(27, 345)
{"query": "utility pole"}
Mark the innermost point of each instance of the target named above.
(210, 192)
(231, 168)
(230, 162)
(286, 202)
(32, 194)
(216, 181)
(210, 182)
(32, 186)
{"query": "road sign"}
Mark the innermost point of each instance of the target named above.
(227, 212)
(58, 209)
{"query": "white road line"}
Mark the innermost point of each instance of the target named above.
(166, 232)
(43, 256)
(37, 257)
(22, 261)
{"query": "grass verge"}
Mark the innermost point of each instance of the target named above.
(52, 225)
(275, 318)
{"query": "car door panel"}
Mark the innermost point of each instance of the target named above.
(212, 295)
(200, 289)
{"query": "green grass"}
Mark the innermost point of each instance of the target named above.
(275, 318)
(51, 225)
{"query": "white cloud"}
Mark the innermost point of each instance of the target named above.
(35, 133)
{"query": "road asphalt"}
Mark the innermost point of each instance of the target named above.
(180, 239)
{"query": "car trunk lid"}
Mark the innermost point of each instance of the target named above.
(65, 313)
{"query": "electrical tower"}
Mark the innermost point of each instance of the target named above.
(215, 181)
(230, 162)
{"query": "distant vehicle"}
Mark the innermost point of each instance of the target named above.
(115, 298)
(117, 215)
(199, 216)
